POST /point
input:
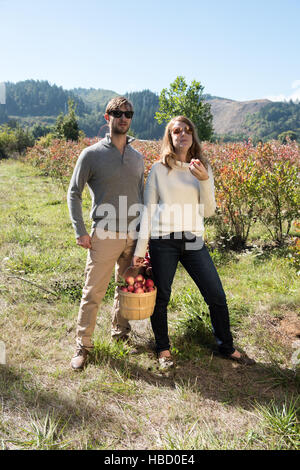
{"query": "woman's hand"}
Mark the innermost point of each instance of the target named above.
(198, 170)
(137, 261)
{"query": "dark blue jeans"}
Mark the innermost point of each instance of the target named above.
(165, 253)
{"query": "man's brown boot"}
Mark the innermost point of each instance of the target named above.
(78, 361)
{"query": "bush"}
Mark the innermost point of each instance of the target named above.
(235, 182)
(277, 190)
(7, 143)
(14, 139)
(57, 157)
(254, 183)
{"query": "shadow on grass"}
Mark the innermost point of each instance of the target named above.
(35, 403)
(201, 370)
(198, 370)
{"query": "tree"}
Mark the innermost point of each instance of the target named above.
(3, 114)
(14, 139)
(67, 126)
(188, 101)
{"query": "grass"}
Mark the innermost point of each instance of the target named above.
(123, 401)
(43, 434)
(281, 423)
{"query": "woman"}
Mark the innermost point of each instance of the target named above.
(178, 194)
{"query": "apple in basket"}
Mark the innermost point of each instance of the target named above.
(124, 289)
(130, 289)
(150, 289)
(129, 280)
(149, 283)
(139, 290)
(140, 278)
(136, 285)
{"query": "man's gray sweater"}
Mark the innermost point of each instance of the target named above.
(109, 175)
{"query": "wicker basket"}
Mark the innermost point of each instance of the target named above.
(136, 306)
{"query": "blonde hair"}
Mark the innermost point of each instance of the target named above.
(117, 102)
(167, 149)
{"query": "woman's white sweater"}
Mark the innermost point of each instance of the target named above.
(174, 201)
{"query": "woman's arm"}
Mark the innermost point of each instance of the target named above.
(207, 194)
(151, 198)
(207, 189)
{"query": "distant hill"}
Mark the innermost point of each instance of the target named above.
(39, 103)
(39, 98)
(229, 115)
(145, 103)
(94, 99)
(273, 120)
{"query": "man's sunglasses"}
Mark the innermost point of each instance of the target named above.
(117, 113)
(179, 130)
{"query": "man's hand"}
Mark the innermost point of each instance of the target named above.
(84, 241)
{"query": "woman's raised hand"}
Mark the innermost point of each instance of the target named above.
(198, 170)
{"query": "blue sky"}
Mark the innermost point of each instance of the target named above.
(238, 49)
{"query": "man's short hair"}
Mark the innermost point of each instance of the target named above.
(117, 102)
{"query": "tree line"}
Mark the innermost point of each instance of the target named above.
(39, 99)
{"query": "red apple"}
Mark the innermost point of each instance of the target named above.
(124, 289)
(193, 161)
(139, 278)
(150, 289)
(129, 280)
(139, 290)
(136, 285)
(149, 283)
(130, 288)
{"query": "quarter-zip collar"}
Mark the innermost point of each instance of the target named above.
(107, 140)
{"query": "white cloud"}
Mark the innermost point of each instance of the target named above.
(296, 84)
(293, 96)
(296, 95)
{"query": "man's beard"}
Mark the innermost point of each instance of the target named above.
(120, 131)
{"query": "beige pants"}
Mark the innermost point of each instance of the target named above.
(104, 255)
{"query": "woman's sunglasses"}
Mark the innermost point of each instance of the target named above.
(179, 130)
(117, 113)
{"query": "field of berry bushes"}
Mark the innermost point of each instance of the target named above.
(253, 183)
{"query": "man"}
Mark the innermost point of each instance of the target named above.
(114, 173)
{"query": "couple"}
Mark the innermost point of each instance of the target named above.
(112, 168)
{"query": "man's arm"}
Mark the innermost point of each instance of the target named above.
(79, 178)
